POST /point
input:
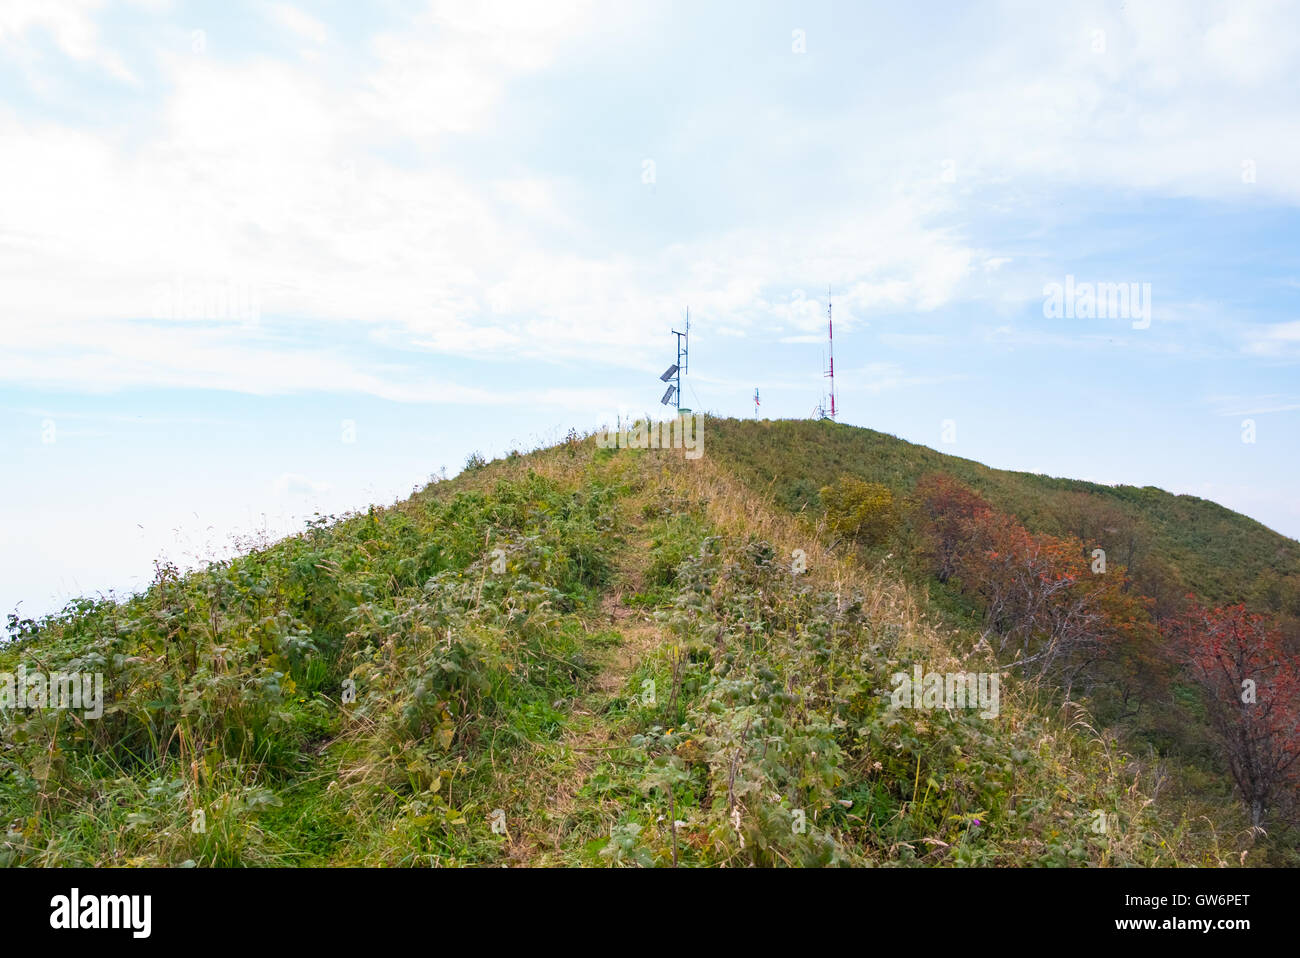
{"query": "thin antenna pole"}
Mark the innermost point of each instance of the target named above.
(683, 354)
(830, 332)
(755, 402)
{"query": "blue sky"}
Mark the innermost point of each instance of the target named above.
(260, 260)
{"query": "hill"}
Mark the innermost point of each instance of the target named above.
(1221, 555)
(586, 656)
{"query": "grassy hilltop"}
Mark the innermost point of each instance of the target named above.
(585, 656)
(1219, 554)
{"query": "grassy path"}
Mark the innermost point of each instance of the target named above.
(560, 831)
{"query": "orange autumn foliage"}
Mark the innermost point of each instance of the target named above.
(1044, 606)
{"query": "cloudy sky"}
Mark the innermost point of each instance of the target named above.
(260, 259)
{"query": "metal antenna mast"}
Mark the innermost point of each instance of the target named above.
(830, 332)
(674, 393)
(683, 354)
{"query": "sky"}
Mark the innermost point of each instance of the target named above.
(262, 260)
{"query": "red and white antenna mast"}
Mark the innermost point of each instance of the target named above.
(830, 331)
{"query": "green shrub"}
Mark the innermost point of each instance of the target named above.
(860, 510)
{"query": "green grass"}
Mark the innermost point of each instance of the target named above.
(1219, 554)
(460, 679)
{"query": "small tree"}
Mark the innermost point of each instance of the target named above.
(1042, 600)
(859, 510)
(1251, 688)
(946, 510)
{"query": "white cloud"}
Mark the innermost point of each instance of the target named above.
(1274, 340)
(296, 21)
(445, 71)
(71, 26)
(296, 484)
(325, 194)
(1253, 405)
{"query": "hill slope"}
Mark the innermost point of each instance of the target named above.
(1221, 555)
(577, 656)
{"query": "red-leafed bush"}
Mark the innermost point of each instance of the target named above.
(946, 508)
(1252, 693)
(1042, 602)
